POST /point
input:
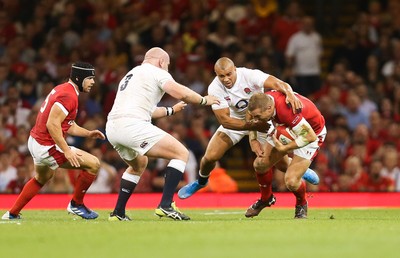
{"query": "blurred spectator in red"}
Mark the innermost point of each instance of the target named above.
(376, 182)
(328, 178)
(7, 28)
(286, 25)
(356, 174)
(23, 175)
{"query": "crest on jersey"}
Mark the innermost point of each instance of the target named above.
(247, 90)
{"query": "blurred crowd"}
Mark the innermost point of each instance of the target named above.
(359, 94)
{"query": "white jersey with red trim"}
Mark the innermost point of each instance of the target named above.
(248, 82)
(139, 92)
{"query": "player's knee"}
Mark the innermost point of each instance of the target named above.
(261, 165)
(292, 183)
(43, 178)
(94, 166)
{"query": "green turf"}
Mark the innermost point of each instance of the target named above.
(227, 233)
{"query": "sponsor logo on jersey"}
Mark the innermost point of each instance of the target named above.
(247, 90)
(71, 122)
(242, 104)
(143, 144)
(295, 120)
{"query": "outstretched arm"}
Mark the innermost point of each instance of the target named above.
(187, 95)
(168, 111)
(228, 122)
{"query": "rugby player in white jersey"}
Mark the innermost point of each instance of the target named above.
(234, 87)
(135, 138)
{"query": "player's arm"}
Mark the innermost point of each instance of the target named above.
(304, 136)
(168, 111)
(228, 122)
(275, 84)
(77, 130)
(187, 95)
(54, 121)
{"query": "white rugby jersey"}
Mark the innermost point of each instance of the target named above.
(248, 82)
(139, 92)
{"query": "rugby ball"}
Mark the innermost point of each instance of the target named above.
(284, 134)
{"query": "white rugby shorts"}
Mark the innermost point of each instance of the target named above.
(131, 137)
(309, 151)
(44, 155)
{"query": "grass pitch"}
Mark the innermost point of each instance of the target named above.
(210, 233)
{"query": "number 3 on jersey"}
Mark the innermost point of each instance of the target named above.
(125, 83)
(46, 101)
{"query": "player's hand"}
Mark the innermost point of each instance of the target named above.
(179, 106)
(278, 145)
(256, 147)
(294, 102)
(96, 134)
(259, 125)
(211, 100)
(73, 158)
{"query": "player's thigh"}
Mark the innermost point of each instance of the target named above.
(297, 168)
(169, 148)
(86, 160)
(220, 142)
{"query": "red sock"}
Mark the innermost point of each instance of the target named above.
(31, 188)
(301, 194)
(265, 183)
(82, 183)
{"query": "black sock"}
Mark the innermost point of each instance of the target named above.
(172, 178)
(125, 190)
(203, 180)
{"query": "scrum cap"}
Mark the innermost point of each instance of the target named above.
(79, 72)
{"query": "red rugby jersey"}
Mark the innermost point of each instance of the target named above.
(67, 97)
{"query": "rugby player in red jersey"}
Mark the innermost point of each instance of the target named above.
(309, 128)
(49, 148)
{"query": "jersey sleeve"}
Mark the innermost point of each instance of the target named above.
(163, 77)
(66, 101)
(218, 92)
(257, 77)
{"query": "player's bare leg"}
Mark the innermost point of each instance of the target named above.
(296, 185)
(218, 145)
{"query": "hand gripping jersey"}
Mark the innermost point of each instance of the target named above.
(248, 82)
(66, 97)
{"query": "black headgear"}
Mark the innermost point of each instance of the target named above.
(79, 72)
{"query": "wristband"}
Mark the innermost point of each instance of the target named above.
(170, 111)
(203, 101)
